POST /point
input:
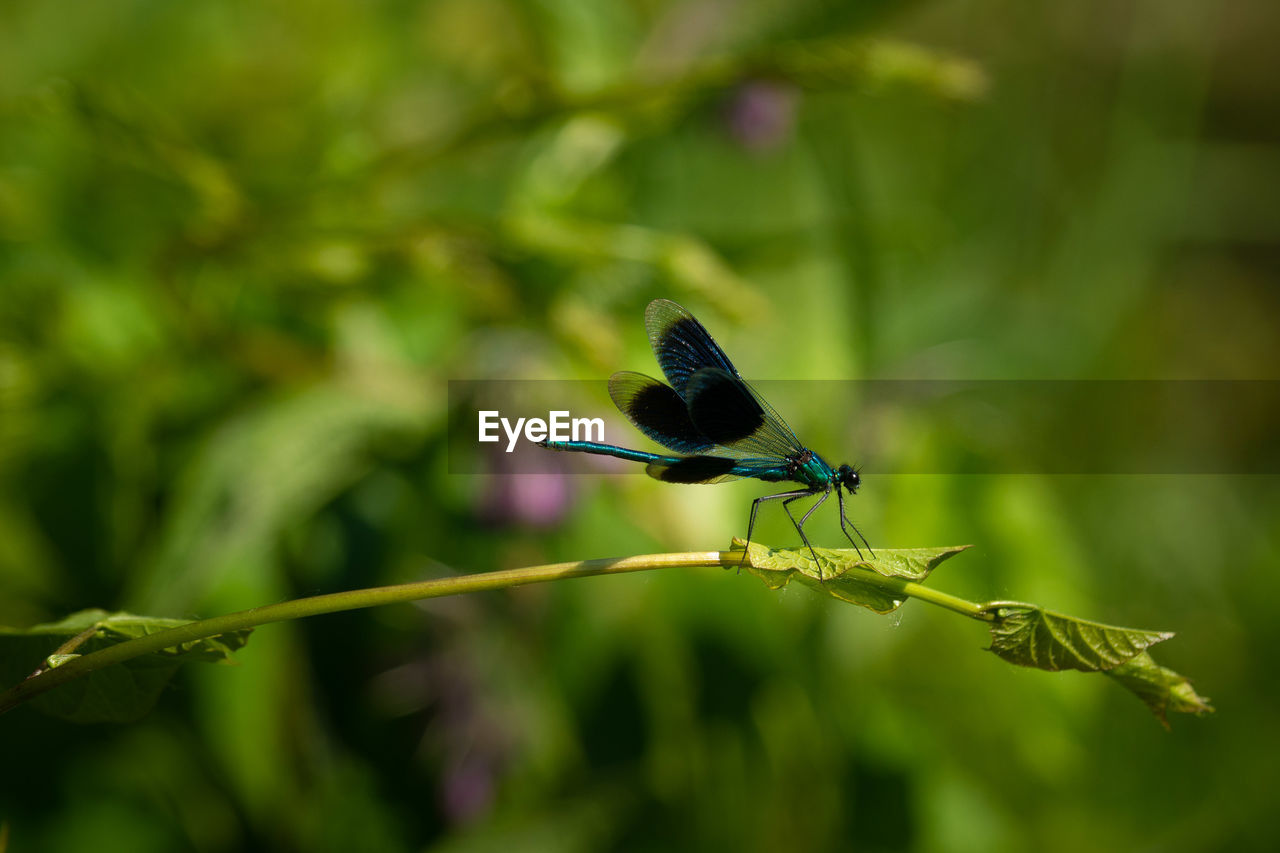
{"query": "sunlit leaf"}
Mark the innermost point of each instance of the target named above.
(113, 694)
(1022, 634)
(1031, 636)
(844, 574)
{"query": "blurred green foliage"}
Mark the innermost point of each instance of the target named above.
(244, 246)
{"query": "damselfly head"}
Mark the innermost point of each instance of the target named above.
(848, 477)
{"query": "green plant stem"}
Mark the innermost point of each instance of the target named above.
(47, 679)
(911, 589)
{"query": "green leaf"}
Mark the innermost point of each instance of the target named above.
(1031, 636)
(1027, 635)
(1162, 689)
(117, 693)
(844, 574)
(1022, 634)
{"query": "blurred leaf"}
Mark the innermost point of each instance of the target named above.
(125, 128)
(115, 694)
(266, 467)
(845, 575)
(844, 62)
(840, 63)
(688, 262)
(1027, 635)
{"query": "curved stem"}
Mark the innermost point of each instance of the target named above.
(47, 679)
(950, 602)
(911, 589)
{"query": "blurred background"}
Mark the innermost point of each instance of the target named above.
(244, 247)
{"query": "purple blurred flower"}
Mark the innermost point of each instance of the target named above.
(761, 114)
(514, 495)
(468, 788)
(465, 735)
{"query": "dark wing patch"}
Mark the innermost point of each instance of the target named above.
(683, 348)
(657, 411)
(681, 344)
(722, 407)
(693, 469)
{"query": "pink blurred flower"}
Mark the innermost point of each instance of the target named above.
(761, 114)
